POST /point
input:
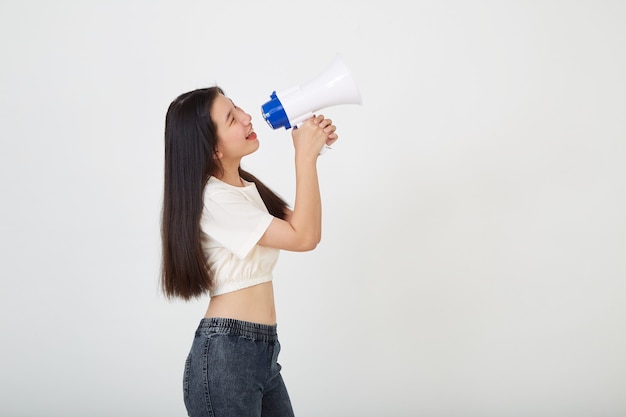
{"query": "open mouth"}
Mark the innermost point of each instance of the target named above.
(251, 136)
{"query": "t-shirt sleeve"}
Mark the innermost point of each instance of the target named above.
(234, 221)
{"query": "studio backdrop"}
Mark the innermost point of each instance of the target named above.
(473, 258)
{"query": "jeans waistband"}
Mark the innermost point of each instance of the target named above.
(256, 331)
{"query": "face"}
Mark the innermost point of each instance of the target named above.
(235, 134)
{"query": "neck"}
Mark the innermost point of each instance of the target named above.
(231, 175)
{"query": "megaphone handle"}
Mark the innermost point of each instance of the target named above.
(324, 149)
(300, 120)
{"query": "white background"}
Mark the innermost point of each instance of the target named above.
(474, 253)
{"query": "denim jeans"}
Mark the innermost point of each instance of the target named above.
(232, 371)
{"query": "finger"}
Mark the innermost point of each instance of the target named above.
(331, 139)
(325, 123)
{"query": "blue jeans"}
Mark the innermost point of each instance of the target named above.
(232, 371)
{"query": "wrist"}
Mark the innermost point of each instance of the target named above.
(305, 159)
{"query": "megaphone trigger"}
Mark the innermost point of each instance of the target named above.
(298, 121)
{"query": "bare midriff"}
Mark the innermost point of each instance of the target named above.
(254, 304)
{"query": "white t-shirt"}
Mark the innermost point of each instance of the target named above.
(233, 220)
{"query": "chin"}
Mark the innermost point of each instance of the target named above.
(254, 146)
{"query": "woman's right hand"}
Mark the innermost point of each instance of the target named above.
(312, 135)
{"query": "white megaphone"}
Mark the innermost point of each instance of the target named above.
(294, 105)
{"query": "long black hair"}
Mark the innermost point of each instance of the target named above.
(190, 143)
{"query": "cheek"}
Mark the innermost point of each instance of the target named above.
(228, 140)
(227, 143)
(223, 137)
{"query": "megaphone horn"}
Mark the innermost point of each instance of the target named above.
(334, 86)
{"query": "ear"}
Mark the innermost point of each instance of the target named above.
(218, 155)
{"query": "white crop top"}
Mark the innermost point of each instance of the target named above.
(233, 220)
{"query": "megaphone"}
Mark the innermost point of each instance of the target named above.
(334, 86)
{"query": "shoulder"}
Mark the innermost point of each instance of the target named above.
(215, 186)
(219, 192)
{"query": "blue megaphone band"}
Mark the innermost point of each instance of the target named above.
(274, 113)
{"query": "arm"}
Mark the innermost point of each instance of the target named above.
(301, 230)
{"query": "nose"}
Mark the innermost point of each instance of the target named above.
(244, 117)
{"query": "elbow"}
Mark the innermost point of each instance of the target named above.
(309, 244)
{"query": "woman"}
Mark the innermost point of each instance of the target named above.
(222, 230)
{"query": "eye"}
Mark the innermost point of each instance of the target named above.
(232, 120)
